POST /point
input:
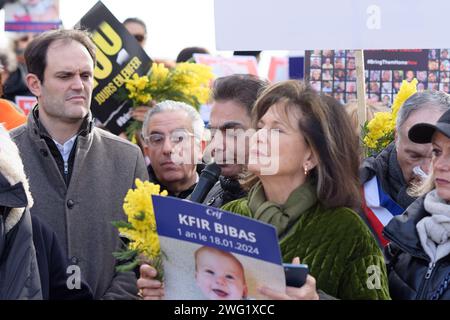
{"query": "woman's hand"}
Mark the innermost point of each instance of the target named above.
(149, 288)
(306, 292)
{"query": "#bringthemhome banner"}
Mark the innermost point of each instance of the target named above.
(334, 72)
(213, 254)
(119, 56)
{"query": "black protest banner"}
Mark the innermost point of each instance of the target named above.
(119, 56)
(416, 59)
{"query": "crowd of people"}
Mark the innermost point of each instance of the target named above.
(63, 181)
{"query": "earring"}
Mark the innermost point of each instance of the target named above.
(305, 168)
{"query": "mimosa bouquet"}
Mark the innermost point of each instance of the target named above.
(186, 82)
(140, 229)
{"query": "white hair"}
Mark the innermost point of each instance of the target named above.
(198, 125)
(436, 100)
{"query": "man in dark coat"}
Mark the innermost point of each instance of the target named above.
(387, 176)
(79, 174)
(60, 279)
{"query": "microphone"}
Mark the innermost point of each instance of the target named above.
(206, 181)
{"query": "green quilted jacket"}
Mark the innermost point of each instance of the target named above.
(339, 249)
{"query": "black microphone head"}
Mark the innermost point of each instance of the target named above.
(209, 176)
(212, 169)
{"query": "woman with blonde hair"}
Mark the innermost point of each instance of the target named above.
(419, 251)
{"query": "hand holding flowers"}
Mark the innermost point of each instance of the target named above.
(140, 229)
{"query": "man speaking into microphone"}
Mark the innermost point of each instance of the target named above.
(233, 99)
(230, 120)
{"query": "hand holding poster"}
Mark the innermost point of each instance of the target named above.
(209, 253)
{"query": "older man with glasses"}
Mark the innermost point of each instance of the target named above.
(172, 132)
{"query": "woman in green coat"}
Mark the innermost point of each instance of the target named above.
(305, 155)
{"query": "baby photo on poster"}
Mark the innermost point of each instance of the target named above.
(211, 254)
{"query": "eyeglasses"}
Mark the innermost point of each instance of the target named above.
(139, 37)
(176, 137)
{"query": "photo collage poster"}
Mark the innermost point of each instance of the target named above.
(334, 72)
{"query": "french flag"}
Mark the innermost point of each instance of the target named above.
(378, 207)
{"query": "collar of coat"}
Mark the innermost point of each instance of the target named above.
(35, 126)
(282, 216)
(183, 194)
(402, 229)
(15, 184)
(385, 166)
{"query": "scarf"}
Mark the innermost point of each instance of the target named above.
(283, 217)
(434, 230)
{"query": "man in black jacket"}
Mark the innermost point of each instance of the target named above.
(233, 99)
(387, 176)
